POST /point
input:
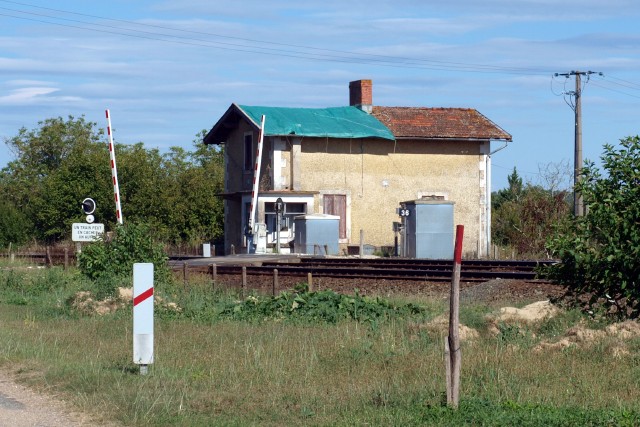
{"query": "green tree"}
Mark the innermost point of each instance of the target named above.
(600, 251)
(62, 161)
(512, 192)
(525, 222)
(55, 168)
(523, 215)
(14, 225)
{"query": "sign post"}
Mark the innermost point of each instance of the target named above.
(279, 206)
(143, 315)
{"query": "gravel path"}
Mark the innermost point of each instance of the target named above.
(22, 407)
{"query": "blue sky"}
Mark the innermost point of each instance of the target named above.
(167, 69)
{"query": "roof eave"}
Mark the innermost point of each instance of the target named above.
(220, 131)
(457, 138)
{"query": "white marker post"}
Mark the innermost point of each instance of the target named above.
(143, 315)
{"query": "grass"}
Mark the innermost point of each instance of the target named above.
(212, 371)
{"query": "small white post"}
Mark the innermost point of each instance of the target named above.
(143, 315)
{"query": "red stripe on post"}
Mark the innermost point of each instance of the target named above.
(143, 296)
(106, 113)
(457, 254)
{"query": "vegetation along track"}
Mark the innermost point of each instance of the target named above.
(381, 268)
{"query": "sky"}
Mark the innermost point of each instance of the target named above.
(167, 69)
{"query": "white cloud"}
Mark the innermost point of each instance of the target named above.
(26, 95)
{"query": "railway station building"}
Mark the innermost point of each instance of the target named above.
(359, 163)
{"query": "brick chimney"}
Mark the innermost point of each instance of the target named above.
(361, 95)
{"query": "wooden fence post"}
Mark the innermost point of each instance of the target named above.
(185, 272)
(48, 260)
(310, 281)
(244, 282)
(66, 258)
(214, 276)
(453, 340)
(275, 282)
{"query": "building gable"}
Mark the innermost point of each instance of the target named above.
(336, 122)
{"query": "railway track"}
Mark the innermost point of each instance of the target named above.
(382, 268)
(404, 269)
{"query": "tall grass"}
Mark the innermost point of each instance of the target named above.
(222, 372)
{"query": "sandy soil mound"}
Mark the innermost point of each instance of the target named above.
(531, 313)
(440, 325)
(584, 337)
(85, 303)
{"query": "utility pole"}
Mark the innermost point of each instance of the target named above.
(578, 205)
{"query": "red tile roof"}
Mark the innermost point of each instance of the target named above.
(438, 123)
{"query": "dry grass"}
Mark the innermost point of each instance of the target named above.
(283, 373)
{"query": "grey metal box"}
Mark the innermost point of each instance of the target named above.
(316, 234)
(429, 229)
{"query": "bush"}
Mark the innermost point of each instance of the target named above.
(105, 261)
(600, 251)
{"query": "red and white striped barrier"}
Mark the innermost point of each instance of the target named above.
(256, 177)
(114, 170)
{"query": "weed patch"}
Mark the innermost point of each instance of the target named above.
(322, 306)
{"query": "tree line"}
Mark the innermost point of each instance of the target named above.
(176, 198)
(63, 161)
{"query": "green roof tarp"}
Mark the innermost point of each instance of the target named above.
(336, 122)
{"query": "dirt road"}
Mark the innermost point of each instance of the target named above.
(21, 407)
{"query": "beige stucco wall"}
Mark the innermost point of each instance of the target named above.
(376, 175)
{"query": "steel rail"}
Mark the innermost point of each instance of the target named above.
(435, 275)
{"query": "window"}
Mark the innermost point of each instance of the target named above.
(291, 210)
(248, 152)
(336, 204)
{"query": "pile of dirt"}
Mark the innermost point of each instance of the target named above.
(583, 337)
(531, 313)
(85, 303)
(440, 325)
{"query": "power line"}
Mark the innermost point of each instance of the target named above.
(630, 85)
(270, 48)
(615, 90)
(331, 55)
(393, 58)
